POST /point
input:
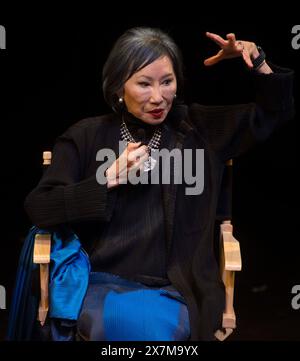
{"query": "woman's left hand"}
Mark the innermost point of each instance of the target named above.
(232, 48)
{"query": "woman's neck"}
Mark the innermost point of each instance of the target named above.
(140, 130)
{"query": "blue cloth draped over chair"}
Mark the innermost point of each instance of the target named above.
(69, 275)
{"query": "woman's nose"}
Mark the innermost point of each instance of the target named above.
(156, 96)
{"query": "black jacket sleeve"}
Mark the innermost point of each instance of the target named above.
(63, 195)
(232, 129)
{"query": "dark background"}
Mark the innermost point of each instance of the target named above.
(50, 77)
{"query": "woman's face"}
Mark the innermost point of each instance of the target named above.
(149, 93)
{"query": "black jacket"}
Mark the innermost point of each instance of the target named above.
(68, 193)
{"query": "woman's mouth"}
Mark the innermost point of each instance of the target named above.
(157, 113)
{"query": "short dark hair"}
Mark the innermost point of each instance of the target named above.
(135, 49)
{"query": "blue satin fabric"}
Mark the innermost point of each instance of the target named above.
(69, 276)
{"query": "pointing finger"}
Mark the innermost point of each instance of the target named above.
(216, 38)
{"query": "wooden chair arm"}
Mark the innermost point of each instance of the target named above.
(41, 256)
(231, 249)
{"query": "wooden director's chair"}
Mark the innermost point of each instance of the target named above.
(229, 253)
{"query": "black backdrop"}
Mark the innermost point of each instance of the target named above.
(50, 77)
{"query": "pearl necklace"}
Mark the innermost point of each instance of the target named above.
(152, 146)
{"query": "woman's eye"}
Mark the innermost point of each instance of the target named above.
(144, 84)
(167, 81)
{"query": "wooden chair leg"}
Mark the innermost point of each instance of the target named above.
(44, 301)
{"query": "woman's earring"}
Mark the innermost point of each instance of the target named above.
(120, 100)
(175, 96)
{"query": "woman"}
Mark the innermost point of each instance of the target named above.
(153, 236)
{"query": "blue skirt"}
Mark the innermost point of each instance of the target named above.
(116, 309)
